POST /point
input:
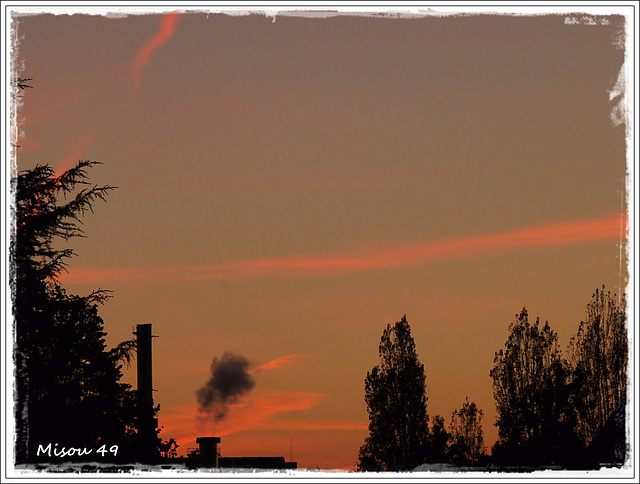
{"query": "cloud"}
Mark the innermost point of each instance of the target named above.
(184, 423)
(317, 425)
(366, 259)
(143, 59)
(278, 363)
(257, 410)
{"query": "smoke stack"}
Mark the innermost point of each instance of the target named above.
(147, 423)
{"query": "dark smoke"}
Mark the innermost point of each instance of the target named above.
(229, 381)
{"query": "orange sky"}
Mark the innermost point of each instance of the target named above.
(289, 184)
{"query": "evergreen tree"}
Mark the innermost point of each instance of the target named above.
(68, 388)
(395, 394)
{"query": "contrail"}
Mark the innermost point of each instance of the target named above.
(143, 59)
(612, 227)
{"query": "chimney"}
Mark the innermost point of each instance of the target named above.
(147, 423)
(208, 451)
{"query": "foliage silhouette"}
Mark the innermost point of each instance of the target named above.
(599, 355)
(599, 359)
(68, 388)
(438, 442)
(466, 435)
(21, 82)
(169, 448)
(551, 412)
(395, 394)
(532, 393)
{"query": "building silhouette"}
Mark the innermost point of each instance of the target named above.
(207, 456)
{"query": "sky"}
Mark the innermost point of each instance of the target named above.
(291, 182)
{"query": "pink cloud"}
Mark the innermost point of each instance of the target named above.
(372, 258)
(278, 363)
(258, 409)
(184, 423)
(317, 425)
(143, 59)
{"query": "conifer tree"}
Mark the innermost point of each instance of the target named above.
(68, 388)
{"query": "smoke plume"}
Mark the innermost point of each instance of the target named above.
(230, 380)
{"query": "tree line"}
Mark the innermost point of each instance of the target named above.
(554, 409)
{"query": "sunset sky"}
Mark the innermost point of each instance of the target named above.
(291, 182)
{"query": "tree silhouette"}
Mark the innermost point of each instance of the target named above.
(18, 84)
(169, 448)
(599, 358)
(68, 388)
(532, 395)
(395, 394)
(467, 438)
(438, 442)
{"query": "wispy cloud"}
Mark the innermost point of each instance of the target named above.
(368, 259)
(278, 363)
(260, 407)
(255, 412)
(317, 425)
(143, 59)
(184, 422)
